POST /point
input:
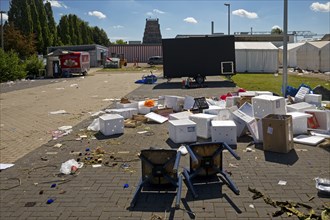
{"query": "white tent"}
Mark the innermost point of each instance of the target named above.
(314, 56)
(256, 57)
(292, 54)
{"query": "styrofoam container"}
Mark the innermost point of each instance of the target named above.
(111, 124)
(308, 140)
(263, 93)
(247, 109)
(203, 124)
(133, 104)
(213, 110)
(180, 115)
(232, 100)
(224, 114)
(241, 120)
(182, 131)
(224, 131)
(175, 102)
(323, 119)
(300, 96)
(142, 109)
(299, 107)
(156, 117)
(264, 105)
(189, 102)
(314, 99)
(299, 122)
(247, 93)
(125, 112)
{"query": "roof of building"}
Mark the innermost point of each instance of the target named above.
(255, 46)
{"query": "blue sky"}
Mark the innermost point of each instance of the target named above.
(125, 19)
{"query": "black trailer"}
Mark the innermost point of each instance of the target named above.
(198, 57)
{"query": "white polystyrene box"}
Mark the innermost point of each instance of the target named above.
(142, 109)
(241, 120)
(203, 124)
(323, 119)
(225, 114)
(213, 110)
(264, 105)
(111, 124)
(133, 104)
(232, 100)
(180, 115)
(125, 112)
(224, 131)
(299, 122)
(247, 93)
(263, 93)
(175, 102)
(300, 96)
(314, 99)
(299, 107)
(182, 131)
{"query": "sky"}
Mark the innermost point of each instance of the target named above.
(125, 19)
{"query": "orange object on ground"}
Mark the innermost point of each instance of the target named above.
(149, 103)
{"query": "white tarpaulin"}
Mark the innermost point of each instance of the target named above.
(314, 56)
(292, 54)
(256, 57)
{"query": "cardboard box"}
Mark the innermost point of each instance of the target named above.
(203, 124)
(265, 104)
(164, 111)
(277, 133)
(224, 131)
(182, 131)
(111, 124)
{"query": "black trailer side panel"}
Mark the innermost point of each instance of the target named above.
(188, 57)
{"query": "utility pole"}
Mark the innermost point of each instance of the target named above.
(2, 12)
(228, 5)
(285, 49)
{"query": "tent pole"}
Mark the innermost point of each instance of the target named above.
(285, 49)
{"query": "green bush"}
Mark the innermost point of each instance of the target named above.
(33, 65)
(11, 67)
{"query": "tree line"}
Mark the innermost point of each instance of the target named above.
(31, 28)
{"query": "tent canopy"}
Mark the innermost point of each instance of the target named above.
(292, 54)
(256, 57)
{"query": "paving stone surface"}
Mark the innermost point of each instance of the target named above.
(99, 192)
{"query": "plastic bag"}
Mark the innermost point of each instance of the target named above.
(69, 165)
(94, 126)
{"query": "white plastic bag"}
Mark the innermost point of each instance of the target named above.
(67, 166)
(94, 126)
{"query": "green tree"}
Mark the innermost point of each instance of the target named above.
(33, 65)
(276, 30)
(42, 17)
(64, 30)
(120, 41)
(51, 24)
(11, 67)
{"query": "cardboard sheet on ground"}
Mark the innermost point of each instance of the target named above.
(309, 140)
(156, 117)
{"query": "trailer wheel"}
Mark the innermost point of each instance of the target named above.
(199, 79)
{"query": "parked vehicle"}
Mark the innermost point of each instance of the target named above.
(155, 60)
(198, 57)
(75, 63)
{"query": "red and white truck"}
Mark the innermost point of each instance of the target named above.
(75, 63)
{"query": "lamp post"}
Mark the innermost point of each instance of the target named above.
(2, 12)
(285, 49)
(228, 5)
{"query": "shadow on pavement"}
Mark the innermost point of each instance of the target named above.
(288, 159)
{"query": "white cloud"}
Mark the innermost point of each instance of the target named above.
(316, 6)
(245, 14)
(158, 11)
(149, 13)
(168, 29)
(56, 4)
(118, 26)
(190, 20)
(97, 14)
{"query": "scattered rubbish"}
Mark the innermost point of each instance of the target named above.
(123, 152)
(125, 166)
(303, 150)
(282, 182)
(107, 100)
(50, 201)
(233, 165)
(74, 85)
(83, 136)
(30, 204)
(126, 186)
(59, 88)
(96, 165)
(64, 128)
(4, 166)
(323, 185)
(248, 149)
(58, 145)
(321, 134)
(88, 149)
(51, 153)
(66, 167)
(183, 150)
(97, 113)
(58, 112)
(44, 158)
(156, 117)
(251, 206)
(53, 185)
(62, 191)
(142, 132)
(290, 208)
